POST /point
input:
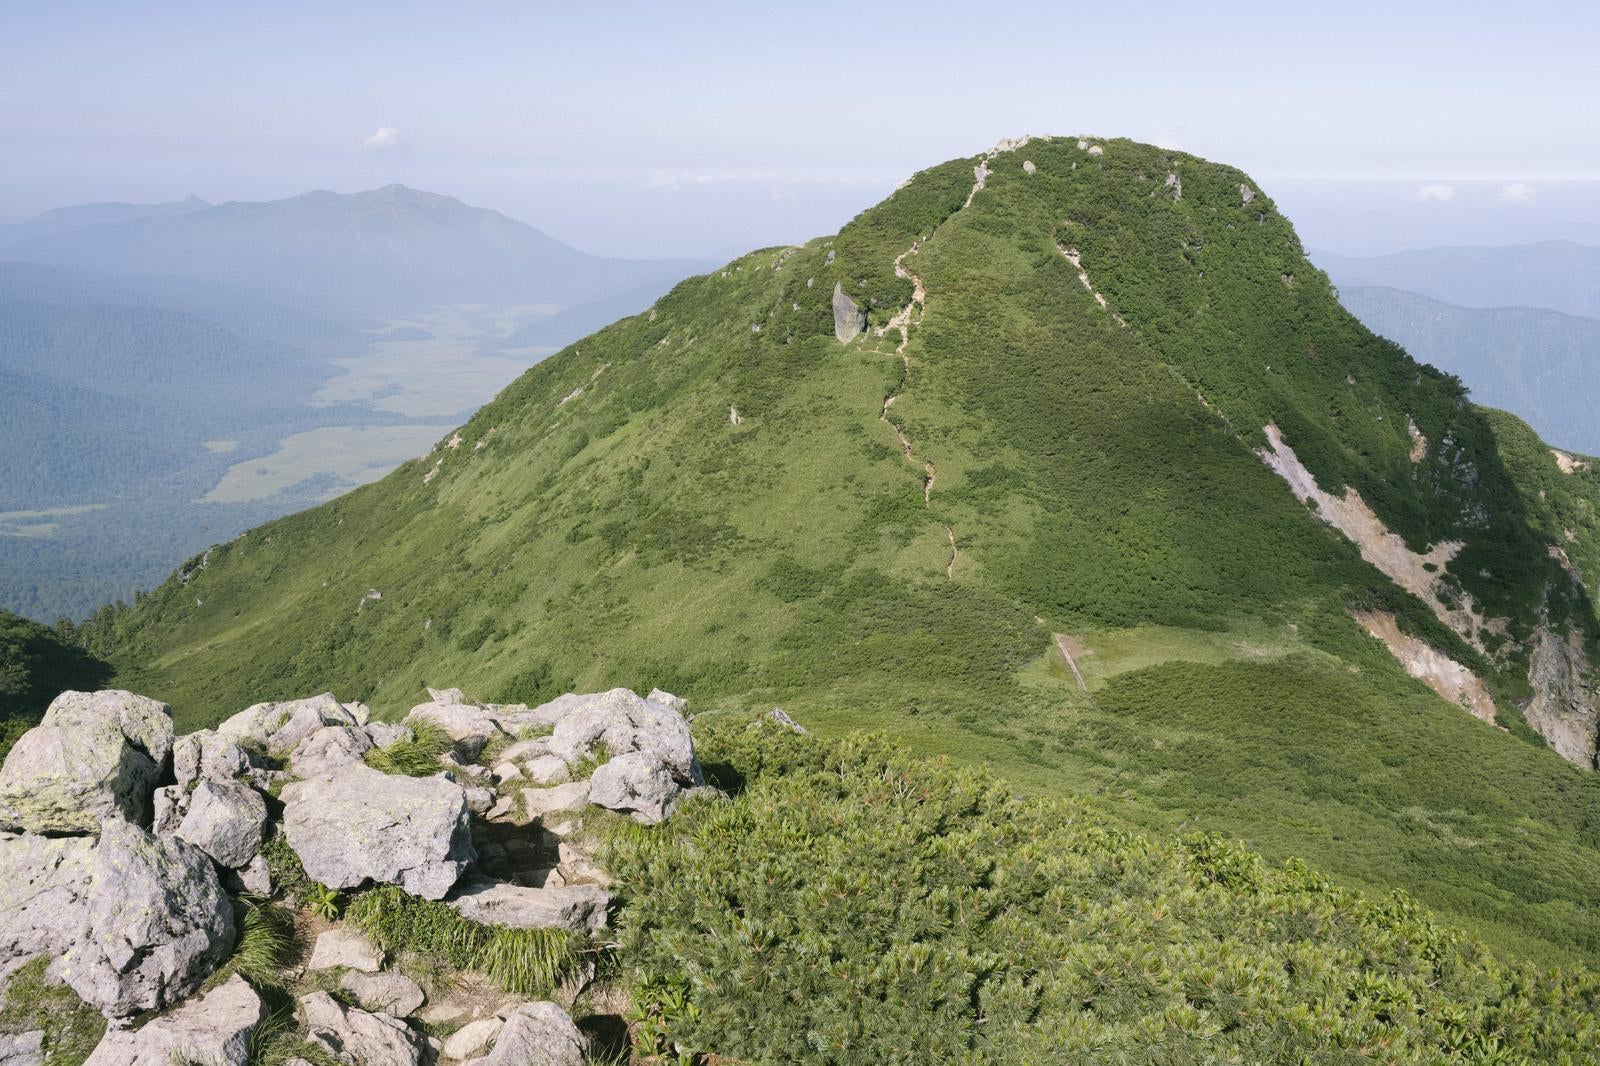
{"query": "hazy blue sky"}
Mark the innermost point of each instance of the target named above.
(705, 128)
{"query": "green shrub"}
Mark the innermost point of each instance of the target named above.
(856, 904)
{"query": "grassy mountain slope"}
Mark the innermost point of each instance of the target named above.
(721, 498)
(1542, 364)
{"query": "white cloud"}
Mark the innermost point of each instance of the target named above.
(381, 138)
(1518, 192)
(1435, 193)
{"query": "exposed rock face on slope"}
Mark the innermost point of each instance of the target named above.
(135, 920)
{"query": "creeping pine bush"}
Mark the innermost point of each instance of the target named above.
(853, 904)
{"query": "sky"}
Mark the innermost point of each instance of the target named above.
(705, 129)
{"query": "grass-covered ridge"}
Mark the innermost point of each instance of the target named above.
(854, 904)
(608, 521)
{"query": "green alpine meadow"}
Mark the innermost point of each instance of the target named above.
(1190, 674)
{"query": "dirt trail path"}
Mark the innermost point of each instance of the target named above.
(1064, 644)
(908, 316)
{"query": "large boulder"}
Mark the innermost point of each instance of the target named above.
(207, 755)
(328, 749)
(46, 881)
(359, 825)
(214, 1029)
(357, 1037)
(579, 907)
(637, 784)
(94, 755)
(623, 722)
(280, 727)
(536, 1034)
(157, 923)
(848, 318)
(226, 820)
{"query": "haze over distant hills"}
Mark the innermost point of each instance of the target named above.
(1520, 325)
(173, 373)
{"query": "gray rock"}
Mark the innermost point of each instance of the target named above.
(46, 881)
(22, 1049)
(168, 806)
(463, 772)
(520, 907)
(226, 820)
(1028, 167)
(360, 712)
(209, 755)
(389, 993)
(254, 878)
(778, 715)
(383, 734)
(158, 923)
(536, 1034)
(328, 749)
(94, 755)
(214, 1030)
(344, 948)
(576, 867)
(358, 1037)
(474, 1038)
(547, 769)
(623, 722)
(848, 319)
(538, 802)
(360, 825)
(468, 724)
(1246, 193)
(280, 727)
(637, 784)
(480, 800)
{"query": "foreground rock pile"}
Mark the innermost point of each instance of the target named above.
(124, 848)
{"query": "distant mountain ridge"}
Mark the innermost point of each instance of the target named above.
(381, 251)
(1556, 275)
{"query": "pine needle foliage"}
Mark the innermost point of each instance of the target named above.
(855, 904)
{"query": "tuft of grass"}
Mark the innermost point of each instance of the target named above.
(266, 941)
(71, 1027)
(530, 962)
(417, 757)
(521, 961)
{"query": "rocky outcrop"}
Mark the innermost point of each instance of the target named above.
(46, 881)
(849, 320)
(226, 820)
(636, 783)
(359, 825)
(1432, 667)
(94, 755)
(156, 923)
(536, 1034)
(357, 1037)
(1563, 707)
(214, 1030)
(280, 727)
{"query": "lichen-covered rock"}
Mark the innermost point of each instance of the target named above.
(359, 825)
(158, 923)
(388, 993)
(536, 1034)
(280, 727)
(46, 883)
(848, 318)
(470, 725)
(345, 949)
(22, 1049)
(94, 755)
(207, 755)
(358, 1037)
(636, 783)
(624, 722)
(582, 907)
(328, 749)
(213, 1030)
(226, 820)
